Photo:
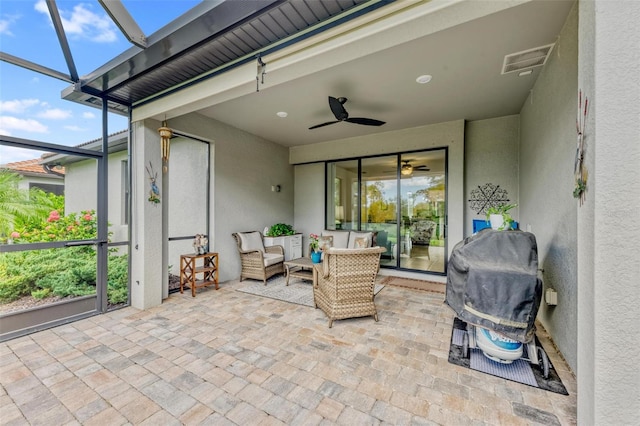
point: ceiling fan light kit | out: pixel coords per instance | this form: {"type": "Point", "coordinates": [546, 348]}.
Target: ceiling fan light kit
{"type": "Point", "coordinates": [341, 114]}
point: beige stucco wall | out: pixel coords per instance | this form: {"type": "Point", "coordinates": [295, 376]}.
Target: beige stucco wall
{"type": "Point", "coordinates": [81, 191]}
{"type": "Point", "coordinates": [244, 167]}
{"type": "Point", "coordinates": [547, 152]}
{"type": "Point", "coordinates": [609, 222]}
{"type": "Point", "coordinates": [491, 156]}
{"type": "Point", "coordinates": [309, 209]}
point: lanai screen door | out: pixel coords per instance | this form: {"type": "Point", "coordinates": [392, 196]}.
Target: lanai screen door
{"type": "Point", "coordinates": [53, 249]}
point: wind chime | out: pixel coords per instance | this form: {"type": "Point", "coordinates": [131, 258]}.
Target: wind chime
{"type": "Point", "coordinates": [165, 139]}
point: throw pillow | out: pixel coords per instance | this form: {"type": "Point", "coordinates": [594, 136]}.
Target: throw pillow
{"type": "Point", "coordinates": [361, 242]}
{"type": "Point", "coordinates": [325, 242]}
{"type": "Point", "coordinates": [354, 235]}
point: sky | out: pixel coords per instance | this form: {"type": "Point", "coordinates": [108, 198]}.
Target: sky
{"type": "Point", "coordinates": [31, 106]}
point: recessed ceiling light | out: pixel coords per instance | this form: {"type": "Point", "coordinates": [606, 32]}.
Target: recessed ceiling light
{"type": "Point", "coordinates": [423, 79]}
{"type": "Point", "coordinates": [523, 73]}
{"type": "Point", "coordinates": [281, 114]}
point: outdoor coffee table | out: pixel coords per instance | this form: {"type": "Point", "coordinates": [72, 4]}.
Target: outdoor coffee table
{"type": "Point", "coordinates": [301, 267]}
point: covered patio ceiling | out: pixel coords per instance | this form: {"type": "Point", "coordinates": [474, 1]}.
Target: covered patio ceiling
{"type": "Point", "coordinates": [368, 51]}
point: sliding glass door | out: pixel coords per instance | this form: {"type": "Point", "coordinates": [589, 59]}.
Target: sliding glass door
{"type": "Point", "coordinates": [402, 197]}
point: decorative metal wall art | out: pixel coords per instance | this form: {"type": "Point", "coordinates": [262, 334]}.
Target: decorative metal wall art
{"type": "Point", "coordinates": [487, 195]}
{"type": "Point", "coordinates": [579, 170]}
{"type": "Point", "coordinates": [154, 192]}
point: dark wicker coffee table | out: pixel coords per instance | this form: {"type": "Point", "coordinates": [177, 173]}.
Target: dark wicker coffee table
{"type": "Point", "coordinates": [301, 267]}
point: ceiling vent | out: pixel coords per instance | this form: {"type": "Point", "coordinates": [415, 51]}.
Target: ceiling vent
{"type": "Point", "coordinates": [519, 61]}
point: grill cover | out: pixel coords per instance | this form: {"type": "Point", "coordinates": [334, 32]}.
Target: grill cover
{"type": "Point", "coordinates": [492, 282]}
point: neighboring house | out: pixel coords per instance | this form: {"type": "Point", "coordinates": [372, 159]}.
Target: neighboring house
{"type": "Point", "coordinates": [35, 174]}
{"type": "Point", "coordinates": [81, 183]}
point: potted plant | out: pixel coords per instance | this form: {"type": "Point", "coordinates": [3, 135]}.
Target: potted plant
{"type": "Point", "coordinates": [499, 216]}
{"type": "Point", "coordinates": [316, 255]}
{"type": "Point", "coordinates": [280, 229]}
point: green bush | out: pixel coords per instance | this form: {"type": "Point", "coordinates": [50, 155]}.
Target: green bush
{"type": "Point", "coordinates": [40, 294]}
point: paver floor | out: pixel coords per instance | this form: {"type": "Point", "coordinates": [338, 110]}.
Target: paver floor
{"type": "Point", "coordinates": [227, 357]}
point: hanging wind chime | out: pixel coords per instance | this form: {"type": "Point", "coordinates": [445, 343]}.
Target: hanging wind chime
{"type": "Point", "coordinates": [165, 138]}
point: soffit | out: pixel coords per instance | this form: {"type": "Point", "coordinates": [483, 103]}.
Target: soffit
{"type": "Point", "coordinates": [214, 36]}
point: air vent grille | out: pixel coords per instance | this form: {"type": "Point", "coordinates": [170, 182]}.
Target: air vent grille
{"type": "Point", "coordinates": [526, 59]}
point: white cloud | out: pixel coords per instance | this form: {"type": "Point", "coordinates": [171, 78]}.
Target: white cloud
{"type": "Point", "coordinates": [88, 115]}
{"type": "Point", "coordinates": [28, 125]}
{"type": "Point", "coordinates": [55, 114]}
{"type": "Point", "coordinates": [82, 22]}
{"type": "Point", "coordinates": [4, 27]}
{"type": "Point", "coordinates": [18, 106]}
{"type": "Point", "coordinates": [75, 128]}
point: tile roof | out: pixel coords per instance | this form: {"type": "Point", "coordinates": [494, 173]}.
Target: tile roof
{"type": "Point", "coordinates": [28, 166]}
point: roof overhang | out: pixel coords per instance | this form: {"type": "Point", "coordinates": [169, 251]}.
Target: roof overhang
{"type": "Point", "coordinates": [213, 37]}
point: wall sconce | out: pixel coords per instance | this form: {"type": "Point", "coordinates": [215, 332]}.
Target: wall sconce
{"type": "Point", "coordinates": [275, 188]}
{"type": "Point", "coordinates": [165, 138]}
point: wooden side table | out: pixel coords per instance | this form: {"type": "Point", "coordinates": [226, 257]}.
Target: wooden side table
{"type": "Point", "coordinates": [198, 270]}
{"type": "Point", "coordinates": [299, 268]}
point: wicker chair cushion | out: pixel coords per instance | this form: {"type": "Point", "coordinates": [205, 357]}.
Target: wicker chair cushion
{"type": "Point", "coordinates": [251, 241]}
{"type": "Point", "coordinates": [354, 235]}
{"type": "Point", "coordinates": [272, 258]}
{"type": "Point", "coordinates": [340, 238]}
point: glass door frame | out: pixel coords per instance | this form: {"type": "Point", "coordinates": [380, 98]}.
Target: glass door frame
{"type": "Point", "coordinates": [330, 218]}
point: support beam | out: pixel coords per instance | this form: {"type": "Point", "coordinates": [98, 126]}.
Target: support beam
{"type": "Point", "coordinates": [32, 66]}
{"type": "Point", "coordinates": [62, 38]}
{"type": "Point", "coordinates": [125, 22]}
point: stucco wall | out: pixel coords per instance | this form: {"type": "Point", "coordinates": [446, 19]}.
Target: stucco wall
{"type": "Point", "coordinates": [547, 152]}
{"type": "Point", "coordinates": [81, 191]}
{"type": "Point", "coordinates": [244, 168]}
{"type": "Point", "coordinates": [310, 178]}
{"type": "Point", "coordinates": [491, 156]}
{"type": "Point", "coordinates": [609, 222]}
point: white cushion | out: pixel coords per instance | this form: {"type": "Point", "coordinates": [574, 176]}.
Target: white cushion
{"type": "Point", "coordinates": [340, 238]}
{"type": "Point", "coordinates": [353, 235]}
{"type": "Point", "coordinates": [251, 241]}
{"type": "Point", "coordinates": [272, 259]}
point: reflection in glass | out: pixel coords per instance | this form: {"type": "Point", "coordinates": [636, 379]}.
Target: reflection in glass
{"type": "Point", "coordinates": [380, 203]}
{"type": "Point", "coordinates": [422, 189]}
{"type": "Point", "coordinates": [401, 197]}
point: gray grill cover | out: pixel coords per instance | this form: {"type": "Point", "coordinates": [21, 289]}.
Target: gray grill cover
{"type": "Point", "coordinates": [492, 282]}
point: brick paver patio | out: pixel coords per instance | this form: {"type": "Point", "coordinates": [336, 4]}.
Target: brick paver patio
{"type": "Point", "coordinates": [227, 357]}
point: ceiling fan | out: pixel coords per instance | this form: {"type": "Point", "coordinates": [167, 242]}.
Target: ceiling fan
{"type": "Point", "coordinates": [341, 114]}
{"type": "Point", "coordinates": [407, 168]}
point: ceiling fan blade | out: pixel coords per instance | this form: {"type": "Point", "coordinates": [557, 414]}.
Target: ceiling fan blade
{"type": "Point", "coordinates": [337, 108]}
{"type": "Point", "coordinates": [365, 121]}
{"type": "Point", "coordinates": [323, 124]}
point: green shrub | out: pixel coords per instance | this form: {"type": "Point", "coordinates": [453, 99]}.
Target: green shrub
{"type": "Point", "coordinates": [40, 294]}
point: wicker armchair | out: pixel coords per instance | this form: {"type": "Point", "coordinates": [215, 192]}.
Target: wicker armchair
{"type": "Point", "coordinates": [344, 283]}
{"type": "Point", "coordinates": [258, 262]}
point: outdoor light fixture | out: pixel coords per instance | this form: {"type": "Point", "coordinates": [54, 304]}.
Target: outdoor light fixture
{"type": "Point", "coordinates": [406, 169]}
{"type": "Point", "coordinates": [165, 138]}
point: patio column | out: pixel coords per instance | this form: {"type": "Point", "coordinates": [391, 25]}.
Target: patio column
{"type": "Point", "coordinates": [609, 222]}
{"type": "Point", "coordinates": [146, 227]}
